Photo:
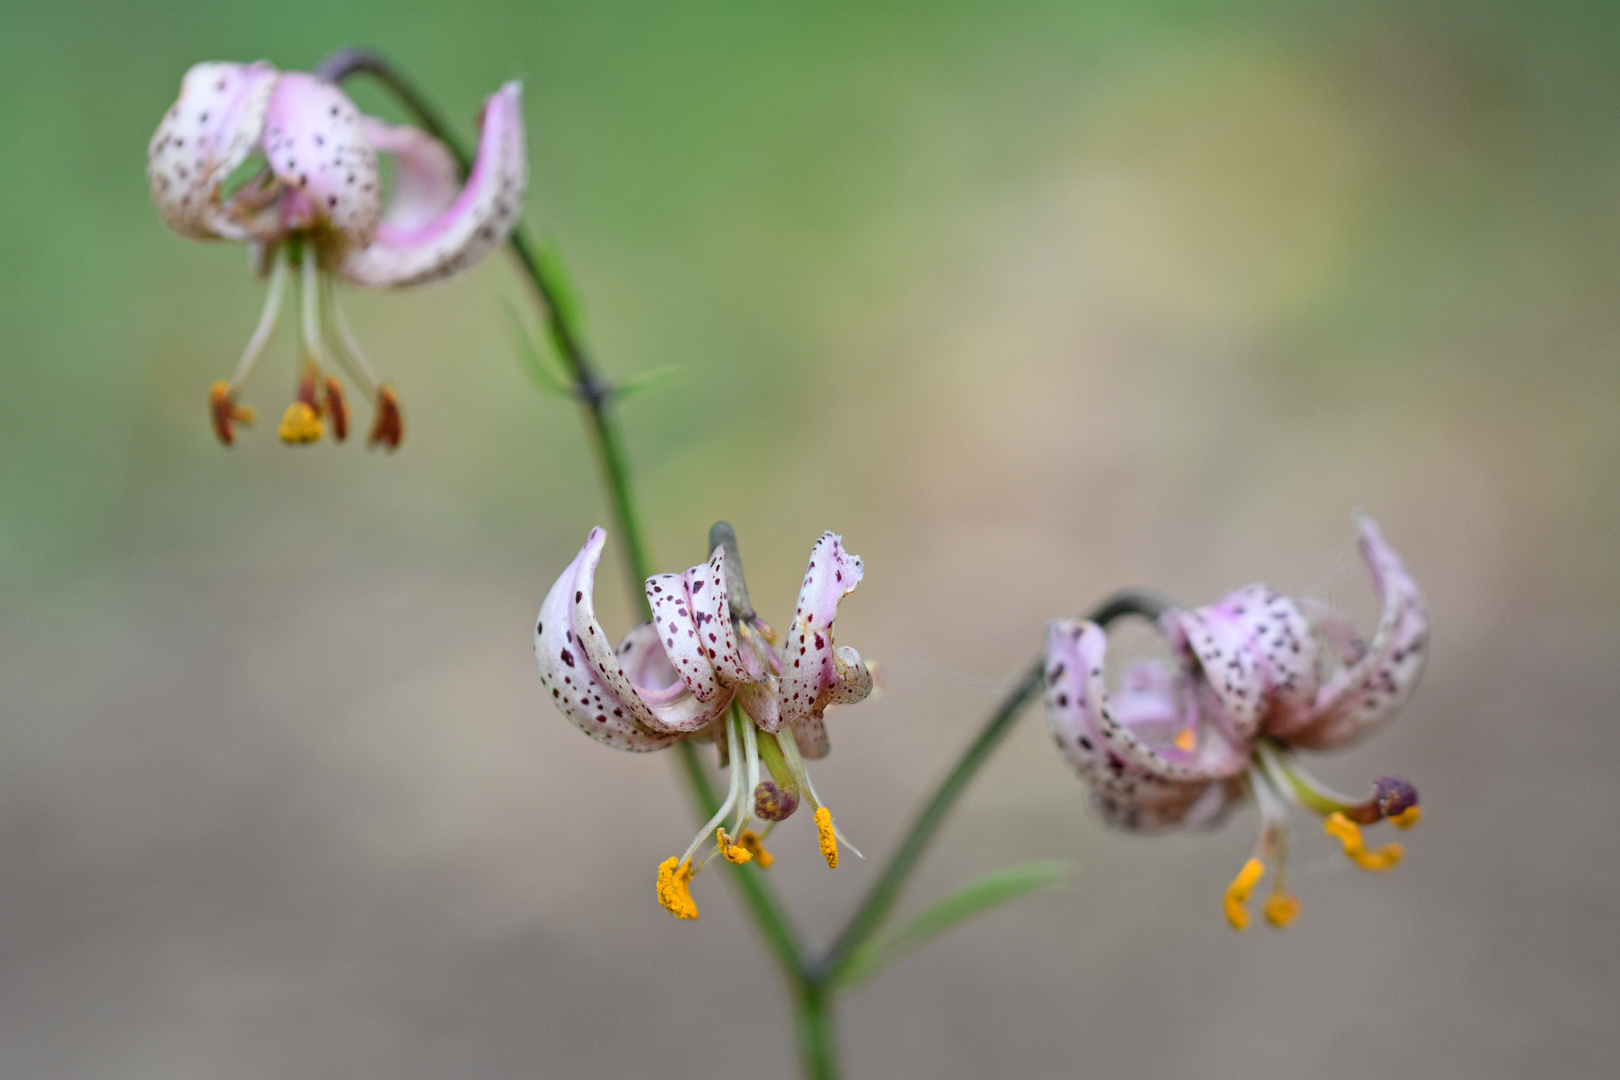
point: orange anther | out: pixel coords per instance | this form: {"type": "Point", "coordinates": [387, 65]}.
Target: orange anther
{"type": "Point", "coordinates": [389, 426]}
{"type": "Point", "coordinates": [337, 409]}
{"type": "Point", "coordinates": [224, 412]}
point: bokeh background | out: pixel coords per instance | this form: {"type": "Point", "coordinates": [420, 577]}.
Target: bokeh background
{"type": "Point", "coordinates": [1028, 301]}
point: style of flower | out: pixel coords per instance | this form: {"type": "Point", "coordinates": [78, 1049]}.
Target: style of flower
{"type": "Point", "coordinates": [1258, 676]}
{"type": "Point", "coordinates": [315, 208]}
{"type": "Point", "coordinates": [707, 667]}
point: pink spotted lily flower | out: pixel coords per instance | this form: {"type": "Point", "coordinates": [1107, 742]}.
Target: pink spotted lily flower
{"type": "Point", "coordinates": [315, 208]}
{"type": "Point", "coordinates": [707, 667]}
{"type": "Point", "coordinates": [1257, 676]}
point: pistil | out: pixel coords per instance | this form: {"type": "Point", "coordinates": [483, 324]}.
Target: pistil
{"type": "Point", "coordinates": [775, 799]}
{"type": "Point", "coordinates": [301, 423]}
{"type": "Point", "coordinates": [1394, 800]}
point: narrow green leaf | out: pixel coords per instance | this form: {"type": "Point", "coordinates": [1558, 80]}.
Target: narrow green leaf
{"type": "Point", "coordinates": [648, 381]}
{"type": "Point", "coordinates": [534, 365]}
{"type": "Point", "coordinates": [980, 894]}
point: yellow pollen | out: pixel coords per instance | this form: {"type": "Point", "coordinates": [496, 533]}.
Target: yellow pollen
{"type": "Point", "coordinates": [1347, 833]}
{"type": "Point", "coordinates": [829, 842]}
{"type": "Point", "coordinates": [750, 841]}
{"type": "Point", "coordinates": [1407, 818]}
{"type": "Point", "coordinates": [674, 888]}
{"type": "Point", "coordinates": [1186, 739]}
{"type": "Point", "coordinates": [1238, 892]}
{"type": "Point", "coordinates": [736, 854]}
{"type": "Point", "coordinates": [1281, 910]}
{"type": "Point", "coordinates": [299, 424]}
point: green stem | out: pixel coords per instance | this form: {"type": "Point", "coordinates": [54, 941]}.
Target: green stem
{"type": "Point", "coordinates": [596, 399]}
{"type": "Point", "coordinates": [881, 897]}
{"type": "Point", "coordinates": [811, 984]}
{"type": "Point", "coordinates": [813, 1021]}
{"type": "Point", "coordinates": [595, 395]}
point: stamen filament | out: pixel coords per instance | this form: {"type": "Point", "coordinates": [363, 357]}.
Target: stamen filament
{"type": "Point", "coordinates": [725, 807]}
{"type": "Point", "coordinates": [350, 355]}
{"type": "Point", "coordinates": [750, 739]}
{"type": "Point", "coordinates": [310, 305]}
{"type": "Point", "coordinates": [1306, 790]}
{"type": "Point", "coordinates": [266, 326]}
{"type": "Point", "coordinates": [1281, 908]}
{"type": "Point", "coordinates": [751, 751]}
{"type": "Point", "coordinates": [795, 762]}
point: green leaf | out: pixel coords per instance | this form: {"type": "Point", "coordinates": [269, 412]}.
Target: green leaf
{"type": "Point", "coordinates": [980, 894]}
{"type": "Point", "coordinates": [647, 381]}
{"type": "Point", "coordinates": [545, 376]}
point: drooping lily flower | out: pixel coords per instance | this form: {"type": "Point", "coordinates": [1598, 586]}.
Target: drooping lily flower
{"type": "Point", "coordinates": [315, 209]}
{"type": "Point", "coordinates": [707, 667]}
{"type": "Point", "coordinates": [1257, 677]}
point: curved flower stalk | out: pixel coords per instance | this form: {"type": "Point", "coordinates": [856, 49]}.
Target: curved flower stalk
{"type": "Point", "coordinates": [707, 667]}
{"type": "Point", "coordinates": [1258, 676]}
{"type": "Point", "coordinates": [315, 209]}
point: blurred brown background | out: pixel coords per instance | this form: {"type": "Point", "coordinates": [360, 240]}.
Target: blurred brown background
{"type": "Point", "coordinates": [1028, 301]}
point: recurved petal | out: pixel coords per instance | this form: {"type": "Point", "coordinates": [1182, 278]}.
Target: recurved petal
{"type": "Point", "coordinates": [810, 735]}
{"type": "Point", "coordinates": [660, 687]}
{"type": "Point", "coordinates": [809, 665]}
{"type": "Point", "coordinates": [676, 622]}
{"type": "Point", "coordinates": [667, 712]}
{"type": "Point", "coordinates": [1209, 756]}
{"type": "Point", "coordinates": [586, 700]}
{"type": "Point", "coordinates": [1255, 649]}
{"type": "Point", "coordinates": [1167, 806]}
{"type": "Point", "coordinates": [706, 587]}
{"type": "Point", "coordinates": [211, 129]}
{"type": "Point", "coordinates": [759, 701]}
{"type": "Point", "coordinates": [853, 684]}
{"type": "Point", "coordinates": [474, 223]}
{"type": "Point", "coordinates": [317, 147]}
{"type": "Point", "coordinates": [1363, 696]}
{"type": "Point", "coordinates": [854, 679]}
{"type": "Point", "coordinates": [426, 176]}
{"type": "Point", "coordinates": [1125, 794]}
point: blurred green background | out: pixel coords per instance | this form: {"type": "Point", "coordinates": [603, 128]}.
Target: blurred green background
{"type": "Point", "coordinates": [1028, 301]}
